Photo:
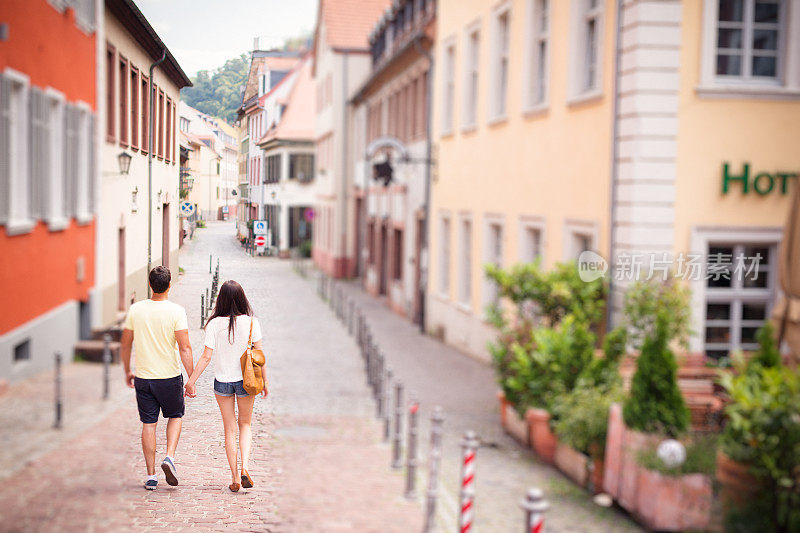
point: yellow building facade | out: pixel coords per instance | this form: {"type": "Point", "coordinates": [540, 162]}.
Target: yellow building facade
{"type": "Point", "coordinates": [572, 125]}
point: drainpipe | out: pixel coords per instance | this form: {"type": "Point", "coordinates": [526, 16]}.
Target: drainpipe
{"type": "Point", "coordinates": [345, 177]}
{"type": "Point", "coordinates": [150, 173]}
{"type": "Point", "coordinates": [614, 156]}
{"type": "Point", "coordinates": [423, 288]}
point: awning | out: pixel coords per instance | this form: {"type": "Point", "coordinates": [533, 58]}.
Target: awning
{"type": "Point", "coordinates": [787, 311]}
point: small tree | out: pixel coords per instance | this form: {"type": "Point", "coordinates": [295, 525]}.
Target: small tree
{"type": "Point", "coordinates": [767, 355]}
{"type": "Point", "coordinates": [655, 404]}
{"type": "Point", "coordinates": [645, 299]}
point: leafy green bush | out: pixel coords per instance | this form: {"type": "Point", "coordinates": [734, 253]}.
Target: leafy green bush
{"type": "Point", "coordinates": [655, 403]}
{"type": "Point", "coordinates": [549, 295]}
{"type": "Point", "coordinates": [200, 224]}
{"type": "Point", "coordinates": [604, 371]}
{"type": "Point", "coordinates": [305, 249]}
{"type": "Point", "coordinates": [514, 366]}
{"type": "Point", "coordinates": [767, 355]}
{"type": "Point", "coordinates": [645, 299]}
{"type": "Point", "coordinates": [581, 417]}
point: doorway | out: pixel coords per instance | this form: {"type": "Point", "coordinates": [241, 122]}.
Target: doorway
{"type": "Point", "coordinates": [359, 256]}
{"type": "Point", "coordinates": [165, 235]}
{"type": "Point", "coordinates": [383, 258]}
{"type": "Point", "coordinates": [418, 290]}
{"type": "Point", "coordinates": [121, 269]}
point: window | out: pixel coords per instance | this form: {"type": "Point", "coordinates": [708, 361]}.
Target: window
{"type": "Point", "coordinates": [465, 262]}
{"type": "Point", "coordinates": [748, 40]}
{"type": "Point", "coordinates": [174, 134]}
{"type": "Point", "coordinates": [144, 111]}
{"type": "Point", "coordinates": [739, 291]}
{"type": "Point", "coordinates": [123, 101]}
{"type": "Point", "coordinates": [184, 124]}
{"type": "Point", "coordinates": [134, 108]}
{"type": "Point", "coordinates": [501, 44]}
{"type": "Point", "coordinates": [444, 256]}
{"type": "Point", "coordinates": [449, 89]}
{"type": "Point", "coordinates": [578, 236]}
{"type": "Point", "coordinates": [301, 167]}
{"type": "Point", "coordinates": [397, 257]}
{"type": "Point", "coordinates": [531, 243]}
{"type": "Point", "coordinates": [472, 58]}
{"type": "Point", "coordinates": [538, 53]}
{"type": "Point", "coordinates": [273, 169]}
{"type": "Point", "coordinates": [15, 191]}
{"type": "Point", "coordinates": [586, 46]}
{"type": "Point", "coordinates": [80, 162]}
{"type": "Point", "coordinates": [494, 256]}
{"type": "Point", "coordinates": [22, 351]}
{"type": "Point", "coordinates": [168, 127]}
{"type": "Point", "coordinates": [111, 71]}
{"type": "Point", "coordinates": [591, 35]}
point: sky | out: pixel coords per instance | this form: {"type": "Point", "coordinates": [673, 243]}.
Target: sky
{"type": "Point", "coordinates": [203, 34]}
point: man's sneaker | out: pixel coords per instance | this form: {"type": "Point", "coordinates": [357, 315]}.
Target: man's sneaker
{"type": "Point", "coordinates": [151, 484]}
{"type": "Point", "coordinates": [169, 471]}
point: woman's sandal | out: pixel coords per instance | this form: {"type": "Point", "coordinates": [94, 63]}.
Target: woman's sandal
{"type": "Point", "coordinates": [247, 481]}
{"type": "Point", "coordinates": [234, 487]}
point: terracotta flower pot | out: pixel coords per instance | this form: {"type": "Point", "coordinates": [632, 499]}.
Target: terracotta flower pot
{"type": "Point", "coordinates": [512, 423]}
{"type": "Point", "coordinates": [542, 439]}
{"type": "Point", "coordinates": [737, 486]}
{"type": "Point", "coordinates": [572, 463]}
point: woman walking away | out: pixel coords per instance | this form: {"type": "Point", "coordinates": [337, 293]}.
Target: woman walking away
{"type": "Point", "coordinates": [228, 331]}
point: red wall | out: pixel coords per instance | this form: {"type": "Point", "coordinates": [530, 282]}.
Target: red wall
{"type": "Point", "coordinates": [38, 270]}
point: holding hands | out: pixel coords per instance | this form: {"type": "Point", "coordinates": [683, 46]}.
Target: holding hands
{"type": "Point", "coordinates": [191, 390]}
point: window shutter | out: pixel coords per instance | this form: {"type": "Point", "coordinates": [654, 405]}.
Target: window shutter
{"type": "Point", "coordinates": [5, 148]}
{"type": "Point", "coordinates": [40, 153]}
{"type": "Point", "coordinates": [71, 147]}
{"type": "Point", "coordinates": [91, 179]}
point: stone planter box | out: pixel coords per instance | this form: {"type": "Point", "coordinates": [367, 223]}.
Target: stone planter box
{"type": "Point", "coordinates": [512, 423]}
{"type": "Point", "coordinates": [542, 439]}
{"type": "Point", "coordinates": [660, 502]}
{"type": "Point", "coordinates": [737, 486]}
{"type": "Point", "coordinates": [572, 463]}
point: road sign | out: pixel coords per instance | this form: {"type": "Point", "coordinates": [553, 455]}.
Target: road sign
{"type": "Point", "coordinates": [309, 214]}
{"type": "Point", "coordinates": [225, 209]}
{"type": "Point", "coordinates": [260, 241]}
{"type": "Point", "coordinates": [260, 227]}
{"type": "Point", "coordinates": [187, 209]}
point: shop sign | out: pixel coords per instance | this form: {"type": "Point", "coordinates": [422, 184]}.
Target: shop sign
{"type": "Point", "coordinates": [762, 183]}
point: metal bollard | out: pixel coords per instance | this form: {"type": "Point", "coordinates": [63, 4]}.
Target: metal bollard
{"type": "Point", "coordinates": [59, 399]}
{"type": "Point", "coordinates": [379, 386]}
{"type": "Point", "coordinates": [210, 260]}
{"type": "Point", "coordinates": [387, 410]}
{"type": "Point", "coordinates": [351, 312]}
{"type": "Point", "coordinates": [202, 310]}
{"type": "Point", "coordinates": [208, 300]}
{"type": "Point", "coordinates": [469, 445]}
{"type": "Point", "coordinates": [106, 365]}
{"type": "Point", "coordinates": [398, 422]}
{"type": "Point", "coordinates": [534, 506]}
{"type": "Point", "coordinates": [435, 454]}
{"type": "Point", "coordinates": [411, 451]}
{"type": "Point", "coordinates": [217, 266]}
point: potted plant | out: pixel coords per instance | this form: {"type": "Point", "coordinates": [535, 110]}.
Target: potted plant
{"type": "Point", "coordinates": [758, 465]}
{"type": "Point", "coordinates": [582, 415]}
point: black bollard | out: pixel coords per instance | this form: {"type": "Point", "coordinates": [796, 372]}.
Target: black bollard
{"type": "Point", "coordinates": [411, 451]}
{"type": "Point", "coordinates": [106, 365]}
{"type": "Point", "coordinates": [58, 394]}
{"type": "Point", "coordinates": [398, 429]}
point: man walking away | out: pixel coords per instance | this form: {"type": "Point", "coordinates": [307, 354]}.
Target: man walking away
{"type": "Point", "coordinates": [160, 331]}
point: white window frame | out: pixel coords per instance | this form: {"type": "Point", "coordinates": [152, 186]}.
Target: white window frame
{"type": "Point", "coordinates": [699, 241]}
{"type": "Point", "coordinates": [85, 175]}
{"type": "Point", "coordinates": [526, 253]}
{"type": "Point", "coordinates": [536, 90]}
{"type": "Point", "coordinates": [448, 85]}
{"type": "Point", "coordinates": [465, 262]}
{"type": "Point", "coordinates": [55, 213]}
{"type": "Point", "coordinates": [445, 250]}
{"type": "Point", "coordinates": [501, 59]}
{"type": "Point", "coordinates": [579, 88]}
{"type": "Point", "coordinates": [787, 84]}
{"type": "Point", "coordinates": [19, 218]}
{"type": "Point", "coordinates": [574, 229]}
{"type": "Point", "coordinates": [490, 255]}
{"type": "Point", "coordinates": [472, 60]}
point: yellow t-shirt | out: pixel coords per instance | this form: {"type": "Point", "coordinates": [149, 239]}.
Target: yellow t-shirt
{"type": "Point", "coordinates": [154, 324]}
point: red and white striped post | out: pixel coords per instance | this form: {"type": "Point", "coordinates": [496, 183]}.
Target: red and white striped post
{"type": "Point", "coordinates": [534, 505]}
{"type": "Point", "coordinates": [469, 446]}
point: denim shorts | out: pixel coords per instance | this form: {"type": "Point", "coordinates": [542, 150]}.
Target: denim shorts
{"type": "Point", "coordinates": [223, 388]}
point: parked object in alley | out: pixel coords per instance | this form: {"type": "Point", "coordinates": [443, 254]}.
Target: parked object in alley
{"type": "Point", "coordinates": [411, 450]}
{"type": "Point", "coordinates": [58, 391]}
{"type": "Point", "coordinates": [469, 447]}
{"type": "Point", "coordinates": [435, 459]}
{"type": "Point", "coordinates": [398, 422]}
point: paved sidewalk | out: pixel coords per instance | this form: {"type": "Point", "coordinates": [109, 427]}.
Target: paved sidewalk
{"type": "Point", "coordinates": [437, 374]}
{"type": "Point", "coordinates": [317, 462]}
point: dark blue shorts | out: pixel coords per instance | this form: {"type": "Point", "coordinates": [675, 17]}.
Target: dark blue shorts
{"type": "Point", "coordinates": [223, 388]}
{"type": "Point", "coordinates": [153, 395]}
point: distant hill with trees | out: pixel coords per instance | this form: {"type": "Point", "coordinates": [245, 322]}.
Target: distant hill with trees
{"type": "Point", "coordinates": [217, 92]}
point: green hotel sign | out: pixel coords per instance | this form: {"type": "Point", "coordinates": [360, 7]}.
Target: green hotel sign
{"type": "Point", "coordinates": [761, 183]}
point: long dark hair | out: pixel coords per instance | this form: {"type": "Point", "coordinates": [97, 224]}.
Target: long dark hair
{"type": "Point", "coordinates": [231, 302]}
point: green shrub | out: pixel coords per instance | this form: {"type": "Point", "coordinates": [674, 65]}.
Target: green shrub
{"type": "Point", "coordinates": [200, 224]}
{"type": "Point", "coordinates": [645, 299]}
{"type": "Point", "coordinates": [581, 417]}
{"type": "Point", "coordinates": [604, 371]}
{"type": "Point", "coordinates": [305, 249]}
{"type": "Point", "coordinates": [767, 355]}
{"type": "Point", "coordinates": [655, 403]}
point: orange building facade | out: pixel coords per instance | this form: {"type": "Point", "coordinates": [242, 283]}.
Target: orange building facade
{"type": "Point", "coordinates": [47, 180]}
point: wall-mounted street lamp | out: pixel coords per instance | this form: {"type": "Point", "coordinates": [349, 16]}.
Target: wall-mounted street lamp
{"type": "Point", "coordinates": [124, 159]}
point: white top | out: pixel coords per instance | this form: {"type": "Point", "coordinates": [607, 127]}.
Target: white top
{"type": "Point", "coordinates": [227, 355]}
